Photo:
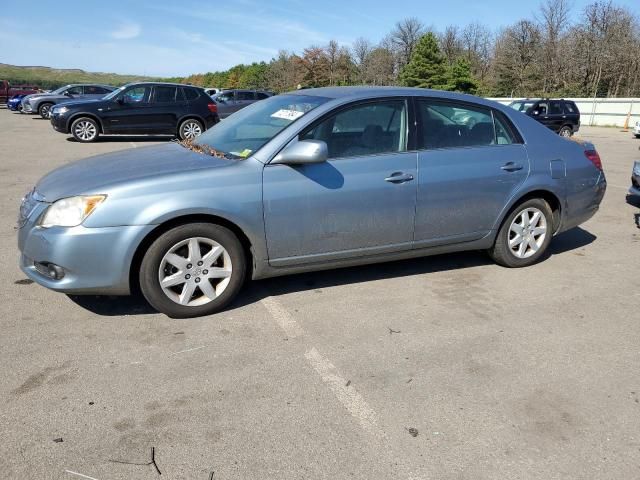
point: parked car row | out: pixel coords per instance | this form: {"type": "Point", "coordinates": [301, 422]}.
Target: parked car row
{"type": "Point", "coordinates": [87, 111]}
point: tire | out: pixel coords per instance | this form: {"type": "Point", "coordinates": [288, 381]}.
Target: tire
{"type": "Point", "coordinates": [565, 131]}
{"type": "Point", "coordinates": [515, 256]}
{"type": "Point", "coordinates": [44, 110]}
{"type": "Point", "coordinates": [190, 129]}
{"type": "Point", "coordinates": [85, 130]}
{"type": "Point", "coordinates": [183, 296]}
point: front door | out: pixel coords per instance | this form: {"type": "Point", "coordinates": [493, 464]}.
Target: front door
{"type": "Point", "coordinates": [129, 112]}
{"type": "Point", "coordinates": [470, 164]}
{"type": "Point", "coordinates": [361, 201]}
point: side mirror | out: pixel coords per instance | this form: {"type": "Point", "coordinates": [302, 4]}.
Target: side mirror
{"type": "Point", "coordinates": [302, 153]}
{"type": "Point", "coordinates": [67, 94]}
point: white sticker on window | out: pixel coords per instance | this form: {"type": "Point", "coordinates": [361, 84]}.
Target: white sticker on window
{"type": "Point", "coordinates": [287, 114]}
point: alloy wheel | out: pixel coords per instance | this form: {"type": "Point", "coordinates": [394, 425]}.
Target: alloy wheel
{"type": "Point", "coordinates": [565, 132]}
{"type": "Point", "coordinates": [45, 111]}
{"type": "Point", "coordinates": [195, 271]}
{"type": "Point", "coordinates": [85, 130]}
{"type": "Point", "coordinates": [191, 130]}
{"type": "Point", "coordinates": [527, 232]}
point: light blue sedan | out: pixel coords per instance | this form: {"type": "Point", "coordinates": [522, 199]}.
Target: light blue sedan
{"type": "Point", "coordinates": [309, 180]}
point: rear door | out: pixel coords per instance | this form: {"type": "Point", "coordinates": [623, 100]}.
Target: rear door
{"type": "Point", "coordinates": [166, 106]}
{"type": "Point", "coordinates": [557, 117]}
{"type": "Point", "coordinates": [572, 114]}
{"type": "Point", "coordinates": [361, 201]}
{"type": "Point", "coordinates": [471, 162]}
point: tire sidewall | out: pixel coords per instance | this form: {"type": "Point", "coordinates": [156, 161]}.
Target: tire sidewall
{"type": "Point", "coordinates": [185, 122]}
{"type": "Point", "coordinates": [150, 285]}
{"type": "Point", "coordinates": [503, 254]}
{"type": "Point", "coordinates": [84, 119]}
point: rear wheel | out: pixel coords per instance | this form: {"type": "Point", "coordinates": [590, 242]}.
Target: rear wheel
{"type": "Point", "coordinates": [565, 131]}
{"type": "Point", "coordinates": [190, 129]}
{"type": "Point", "coordinates": [44, 110]}
{"type": "Point", "coordinates": [193, 270]}
{"type": "Point", "coordinates": [85, 129]}
{"type": "Point", "coordinates": [524, 235]}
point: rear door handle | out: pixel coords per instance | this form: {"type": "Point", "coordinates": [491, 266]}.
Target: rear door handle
{"type": "Point", "coordinates": [399, 177]}
{"type": "Point", "coordinates": [511, 167]}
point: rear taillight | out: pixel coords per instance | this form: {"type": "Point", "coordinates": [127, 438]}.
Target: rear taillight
{"type": "Point", "coordinates": [213, 108]}
{"type": "Point", "coordinates": [594, 158]}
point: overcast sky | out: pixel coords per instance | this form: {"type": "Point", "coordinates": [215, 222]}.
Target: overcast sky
{"type": "Point", "coordinates": [168, 38]}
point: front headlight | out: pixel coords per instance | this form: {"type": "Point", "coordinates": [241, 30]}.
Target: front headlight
{"type": "Point", "coordinates": [70, 212]}
{"type": "Point", "coordinates": [61, 110]}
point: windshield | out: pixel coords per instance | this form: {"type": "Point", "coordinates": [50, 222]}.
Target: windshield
{"type": "Point", "coordinates": [521, 106]}
{"type": "Point", "coordinates": [249, 129]}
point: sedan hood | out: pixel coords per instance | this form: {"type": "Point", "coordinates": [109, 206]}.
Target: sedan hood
{"type": "Point", "coordinates": [95, 175]}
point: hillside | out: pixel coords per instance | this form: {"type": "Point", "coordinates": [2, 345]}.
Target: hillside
{"type": "Point", "coordinates": [46, 77]}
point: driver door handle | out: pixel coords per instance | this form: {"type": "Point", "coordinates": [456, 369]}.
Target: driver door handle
{"type": "Point", "coordinates": [399, 177]}
{"type": "Point", "coordinates": [511, 167]}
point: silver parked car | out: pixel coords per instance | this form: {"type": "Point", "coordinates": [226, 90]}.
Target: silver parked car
{"type": "Point", "coordinates": [230, 101]}
{"type": "Point", "coordinates": [41, 103]}
{"type": "Point", "coordinates": [309, 180]}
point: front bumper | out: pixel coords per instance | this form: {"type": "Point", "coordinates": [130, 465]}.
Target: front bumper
{"type": "Point", "coordinates": [635, 180]}
{"type": "Point", "coordinates": [27, 107]}
{"type": "Point", "coordinates": [636, 130]}
{"type": "Point", "coordinates": [58, 122]}
{"type": "Point", "coordinates": [94, 260]}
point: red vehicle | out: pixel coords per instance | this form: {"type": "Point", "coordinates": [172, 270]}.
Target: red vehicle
{"type": "Point", "coordinates": [7, 91]}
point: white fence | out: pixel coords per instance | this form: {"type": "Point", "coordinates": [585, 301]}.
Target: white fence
{"type": "Point", "coordinates": [606, 112]}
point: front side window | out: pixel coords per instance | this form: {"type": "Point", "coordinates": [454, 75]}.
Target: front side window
{"type": "Point", "coordinates": [225, 97]}
{"type": "Point", "coordinates": [248, 130]}
{"type": "Point", "coordinates": [521, 106]}
{"type": "Point", "coordinates": [163, 94]}
{"type": "Point", "coordinates": [74, 90]}
{"type": "Point", "coordinates": [245, 96]}
{"type": "Point", "coordinates": [542, 108]}
{"type": "Point", "coordinates": [451, 125]}
{"type": "Point", "coordinates": [365, 129]}
{"type": "Point", "coordinates": [136, 95]}
{"type": "Point", "coordinates": [555, 108]}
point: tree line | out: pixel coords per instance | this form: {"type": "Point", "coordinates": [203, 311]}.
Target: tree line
{"type": "Point", "coordinates": [556, 52]}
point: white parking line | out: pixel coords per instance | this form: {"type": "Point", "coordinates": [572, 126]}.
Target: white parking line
{"type": "Point", "coordinates": [80, 475]}
{"type": "Point", "coordinates": [347, 395]}
{"type": "Point", "coordinates": [291, 328]}
{"type": "Point", "coordinates": [133, 145]}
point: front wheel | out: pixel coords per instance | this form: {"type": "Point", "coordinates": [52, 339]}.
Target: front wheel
{"type": "Point", "coordinates": [85, 130]}
{"type": "Point", "coordinates": [565, 131]}
{"type": "Point", "coordinates": [524, 235]}
{"type": "Point", "coordinates": [193, 270]}
{"type": "Point", "coordinates": [190, 129]}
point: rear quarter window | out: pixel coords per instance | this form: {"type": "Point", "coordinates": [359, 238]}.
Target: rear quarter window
{"type": "Point", "coordinates": [191, 93]}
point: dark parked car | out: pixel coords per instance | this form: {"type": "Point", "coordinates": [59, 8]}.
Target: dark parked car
{"type": "Point", "coordinates": [230, 101]}
{"type": "Point", "coordinates": [41, 103]}
{"type": "Point", "coordinates": [561, 116]}
{"type": "Point", "coordinates": [139, 108]}
{"type": "Point", "coordinates": [635, 180]}
{"type": "Point", "coordinates": [309, 180]}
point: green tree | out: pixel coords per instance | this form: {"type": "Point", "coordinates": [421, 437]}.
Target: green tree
{"type": "Point", "coordinates": [460, 78]}
{"type": "Point", "coordinates": [427, 66]}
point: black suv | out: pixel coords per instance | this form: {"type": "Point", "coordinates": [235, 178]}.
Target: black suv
{"type": "Point", "coordinates": [230, 101]}
{"type": "Point", "coordinates": [139, 108]}
{"type": "Point", "coordinates": [561, 116]}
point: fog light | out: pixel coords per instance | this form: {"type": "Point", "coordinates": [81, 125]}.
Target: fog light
{"type": "Point", "coordinates": [50, 270]}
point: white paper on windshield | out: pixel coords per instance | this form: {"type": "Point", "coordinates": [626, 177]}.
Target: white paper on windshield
{"type": "Point", "coordinates": [287, 114]}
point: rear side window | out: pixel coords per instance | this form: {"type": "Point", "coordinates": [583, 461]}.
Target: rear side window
{"type": "Point", "coordinates": [191, 93]}
{"type": "Point", "coordinates": [164, 94]}
{"type": "Point", "coordinates": [364, 129]}
{"type": "Point", "coordinates": [95, 90]}
{"type": "Point", "coordinates": [452, 125]}
{"type": "Point", "coordinates": [570, 107]}
{"type": "Point", "coordinates": [506, 134]}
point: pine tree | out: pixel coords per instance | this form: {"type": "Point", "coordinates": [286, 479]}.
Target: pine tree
{"type": "Point", "coordinates": [427, 67]}
{"type": "Point", "coordinates": [460, 79]}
